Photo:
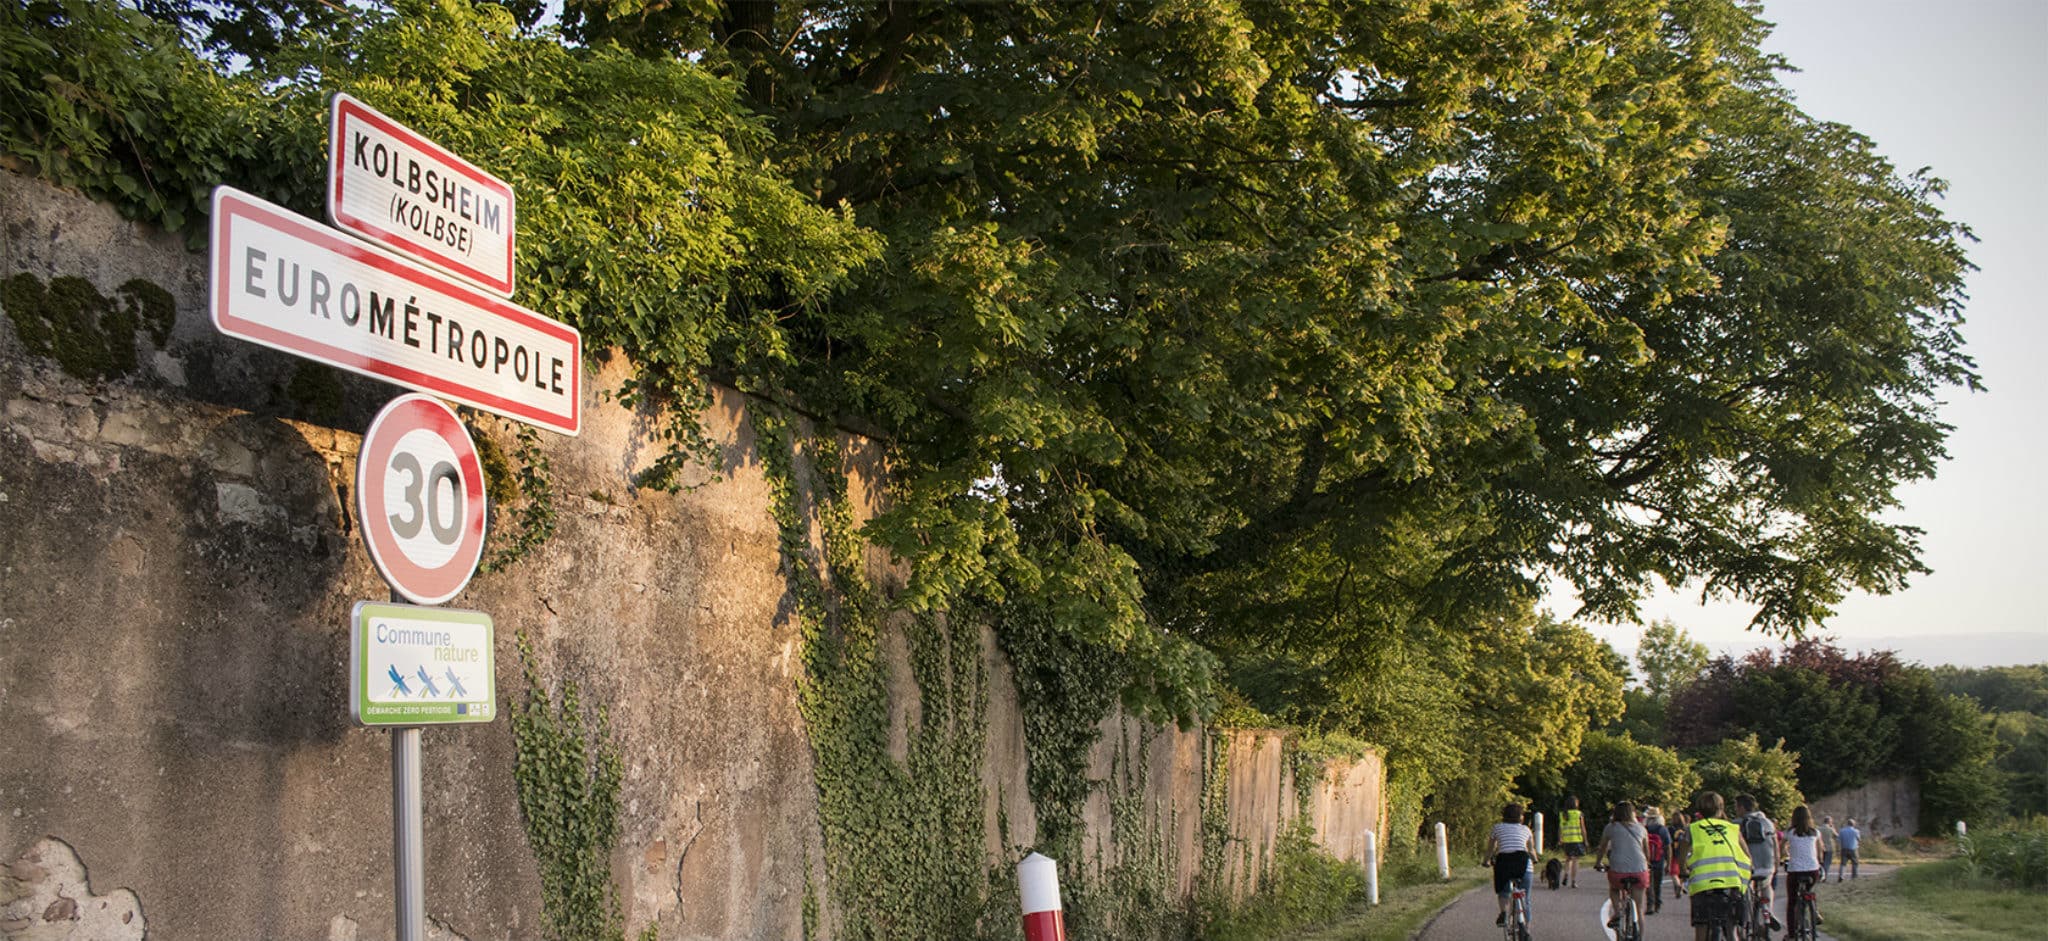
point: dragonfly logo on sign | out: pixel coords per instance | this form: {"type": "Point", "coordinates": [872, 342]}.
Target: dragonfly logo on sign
{"type": "Point", "coordinates": [420, 666]}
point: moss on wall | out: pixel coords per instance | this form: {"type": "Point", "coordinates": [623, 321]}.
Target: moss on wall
{"type": "Point", "coordinates": [90, 335]}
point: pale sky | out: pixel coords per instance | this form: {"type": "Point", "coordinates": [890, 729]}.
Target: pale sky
{"type": "Point", "coordinates": [1960, 86]}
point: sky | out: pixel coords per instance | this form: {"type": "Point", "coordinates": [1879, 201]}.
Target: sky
{"type": "Point", "coordinates": [1961, 87]}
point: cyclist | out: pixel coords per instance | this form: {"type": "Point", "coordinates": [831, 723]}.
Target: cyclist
{"type": "Point", "coordinates": [1572, 834]}
{"type": "Point", "coordinates": [1657, 846]}
{"type": "Point", "coordinates": [1507, 846]}
{"type": "Point", "coordinates": [1760, 837]}
{"type": "Point", "coordinates": [1624, 840]}
{"type": "Point", "coordinates": [1803, 867]}
{"type": "Point", "coordinates": [1716, 866]}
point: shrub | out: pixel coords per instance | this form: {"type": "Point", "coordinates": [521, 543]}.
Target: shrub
{"type": "Point", "coordinates": [1305, 887]}
{"type": "Point", "coordinates": [2015, 854]}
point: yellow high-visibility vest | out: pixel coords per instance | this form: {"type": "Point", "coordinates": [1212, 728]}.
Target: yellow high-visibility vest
{"type": "Point", "coordinates": [1574, 827]}
{"type": "Point", "coordinates": [1716, 856]}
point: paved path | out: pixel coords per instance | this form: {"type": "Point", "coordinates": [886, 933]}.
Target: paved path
{"type": "Point", "coordinates": [1580, 914]}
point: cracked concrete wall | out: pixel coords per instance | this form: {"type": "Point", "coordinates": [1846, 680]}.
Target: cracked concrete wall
{"type": "Point", "coordinates": [178, 557]}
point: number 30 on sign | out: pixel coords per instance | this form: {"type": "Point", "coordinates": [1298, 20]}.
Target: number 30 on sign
{"type": "Point", "coordinates": [420, 497]}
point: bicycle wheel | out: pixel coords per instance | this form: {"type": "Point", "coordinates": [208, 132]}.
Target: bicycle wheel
{"type": "Point", "coordinates": [1631, 922]}
{"type": "Point", "coordinates": [1805, 926]}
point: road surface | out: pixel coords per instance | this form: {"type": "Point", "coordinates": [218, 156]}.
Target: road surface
{"type": "Point", "coordinates": [1580, 914]}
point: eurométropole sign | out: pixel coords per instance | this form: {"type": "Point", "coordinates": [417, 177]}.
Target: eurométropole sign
{"type": "Point", "coordinates": [388, 184]}
{"type": "Point", "coordinates": [287, 282]}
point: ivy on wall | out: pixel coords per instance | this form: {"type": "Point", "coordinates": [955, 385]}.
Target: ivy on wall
{"type": "Point", "coordinates": [524, 494]}
{"type": "Point", "coordinates": [568, 773]}
{"type": "Point", "coordinates": [903, 838]}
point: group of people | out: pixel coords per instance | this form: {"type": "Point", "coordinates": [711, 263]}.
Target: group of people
{"type": "Point", "coordinates": [1713, 859]}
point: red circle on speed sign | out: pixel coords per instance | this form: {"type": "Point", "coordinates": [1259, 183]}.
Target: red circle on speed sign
{"type": "Point", "coordinates": [420, 495]}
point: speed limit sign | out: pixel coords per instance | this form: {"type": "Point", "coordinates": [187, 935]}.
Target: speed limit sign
{"type": "Point", "coordinates": [420, 496]}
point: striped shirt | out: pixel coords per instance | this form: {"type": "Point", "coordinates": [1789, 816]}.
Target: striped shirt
{"type": "Point", "coordinates": [1512, 837]}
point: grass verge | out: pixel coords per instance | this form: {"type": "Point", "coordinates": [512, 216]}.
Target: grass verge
{"type": "Point", "coordinates": [1938, 901]}
{"type": "Point", "coordinates": [1401, 911]}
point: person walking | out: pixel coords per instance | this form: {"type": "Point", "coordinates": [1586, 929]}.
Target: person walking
{"type": "Point", "coordinates": [1507, 849]}
{"type": "Point", "coordinates": [1676, 865]}
{"type": "Point", "coordinates": [1852, 838]}
{"type": "Point", "coordinates": [1623, 841]}
{"type": "Point", "coordinates": [1572, 836]}
{"type": "Point", "coordinates": [1803, 868]}
{"type": "Point", "coordinates": [1830, 842]}
{"type": "Point", "coordinates": [1716, 866]}
{"type": "Point", "coordinates": [1657, 847]}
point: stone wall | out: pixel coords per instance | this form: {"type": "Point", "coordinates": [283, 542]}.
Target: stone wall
{"type": "Point", "coordinates": [178, 557]}
{"type": "Point", "coordinates": [1884, 808]}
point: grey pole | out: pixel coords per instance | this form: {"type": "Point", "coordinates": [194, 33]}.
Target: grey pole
{"type": "Point", "coordinates": [408, 849]}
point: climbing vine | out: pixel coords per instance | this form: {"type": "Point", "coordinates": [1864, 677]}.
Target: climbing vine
{"type": "Point", "coordinates": [903, 833]}
{"type": "Point", "coordinates": [568, 773]}
{"type": "Point", "coordinates": [1133, 894]}
{"type": "Point", "coordinates": [525, 495]}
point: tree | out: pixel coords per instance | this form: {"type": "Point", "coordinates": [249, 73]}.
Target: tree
{"type": "Point", "coordinates": [1839, 730]}
{"type": "Point", "coordinates": [1669, 658]}
{"type": "Point", "coordinates": [1224, 324]}
{"type": "Point", "coordinates": [1311, 323]}
{"type": "Point", "coordinates": [2023, 757]}
{"type": "Point", "coordinates": [1738, 766]}
{"type": "Point", "coordinates": [1466, 718]}
{"type": "Point", "coordinates": [1999, 689]}
{"type": "Point", "coordinates": [1849, 719]}
{"type": "Point", "coordinates": [1613, 768]}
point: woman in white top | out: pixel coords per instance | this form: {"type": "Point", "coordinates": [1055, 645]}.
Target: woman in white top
{"type": "Point", "coordinates": [1802, 860]}
{"type": "Point", "coordinates": [1507, 846]}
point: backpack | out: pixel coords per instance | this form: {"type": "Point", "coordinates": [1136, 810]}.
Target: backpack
{"type": "Point", "coordinates": [1755, 829]}
{"type": "Point", "coordinates": [1654, 848]}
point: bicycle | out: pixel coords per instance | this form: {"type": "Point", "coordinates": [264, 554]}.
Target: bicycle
{"type": "Point", "coordinates": [1631, 921]}
{"type": "Point", "coordinates": [1517, 926]}
{"type": "Point", "coordinates": [1628, 917]}
{"type": "Point", "coordinates": [1727, 924]}
{"type": "Point", "coordinates": [1757, 927]}
{"type": "Point", "coordinates": [1801, 925]}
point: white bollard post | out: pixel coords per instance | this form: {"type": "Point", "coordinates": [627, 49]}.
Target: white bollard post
{"type": "Point", "coordinates": [1962, 829]}
{"type": "Point", "coordinates": [1038, 884]}
{"type": "Point", "coordinates": [1372, 868]}
{"type": "Point", "coordinates": [1536, 827]}
{"type": "Point", "coordinates": [1443, 852]}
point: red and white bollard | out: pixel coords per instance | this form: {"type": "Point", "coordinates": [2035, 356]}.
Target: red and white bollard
{"type": "Point", "coordinates": [1038, 882]}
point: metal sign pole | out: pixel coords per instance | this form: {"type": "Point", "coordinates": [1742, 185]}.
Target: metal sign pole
{"type": "Point", "coordinates": [408, 833]}
{"type": "Point", "coordinates": [408, 844]}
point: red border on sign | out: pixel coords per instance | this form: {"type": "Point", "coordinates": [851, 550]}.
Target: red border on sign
{"type": "Point", "coordinates": [230, 204]}
{"type": "Point", "coordinates": [418, 583]}
{"type": "Point", "coordinates": [348, 108]}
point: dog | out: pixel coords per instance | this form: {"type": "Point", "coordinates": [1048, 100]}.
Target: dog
{"type": "Point", "coordinates": [1553, 873]}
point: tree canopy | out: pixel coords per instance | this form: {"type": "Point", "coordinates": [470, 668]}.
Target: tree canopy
{"type": "Point", "coordinates": [1299, 340]}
